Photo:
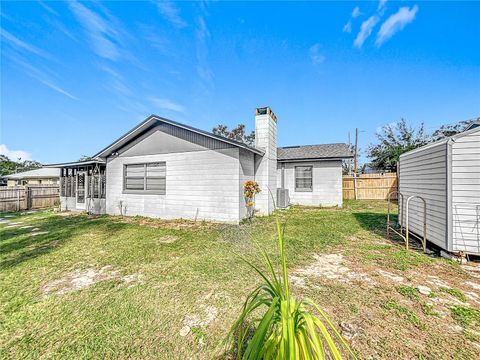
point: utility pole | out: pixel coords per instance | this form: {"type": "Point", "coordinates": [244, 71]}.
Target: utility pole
{"type": "Point", "coordinates": [355, 164]}
{"type": "Point", "coordinates": [355, 167]}
{"type": "Point", "coordinates": [349, 161]}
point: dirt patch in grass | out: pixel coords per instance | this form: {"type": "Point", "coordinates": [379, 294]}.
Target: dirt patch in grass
{"type": "Point", "coordinates": [167, 239]}
{"type": "Point", "coordinates": [331, 267]}
{"type": "Point", "coordinates": [67, 213]}
{"type": "Point", "coordinates": [83, 278]}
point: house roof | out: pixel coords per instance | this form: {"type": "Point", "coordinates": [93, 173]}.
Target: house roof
{"type": "Point", "coordinates": [151, 121]}
{"type": "Point", "coordinates": [42, 173]}
{"type": "Point", "coordinates": [77, 163]}
{"type": "Point", "coordinates": [313, 152]}
{"type": "Point", "coordinates": [473, 125]}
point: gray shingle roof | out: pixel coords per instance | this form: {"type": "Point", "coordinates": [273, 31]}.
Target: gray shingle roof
{"type": "Point", "coordinates": [321, 151]}
{"type": "Point", "coordinates": [36, 174]}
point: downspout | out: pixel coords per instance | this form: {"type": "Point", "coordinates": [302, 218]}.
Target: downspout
{"type": "Point", "coordinates": [282, 177]}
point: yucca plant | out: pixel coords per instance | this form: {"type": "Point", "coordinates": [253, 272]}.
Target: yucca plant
{"type": "Point", "coordinates": [286, 328]}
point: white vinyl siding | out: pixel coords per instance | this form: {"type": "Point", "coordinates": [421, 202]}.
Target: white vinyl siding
{"type": "Point", "coordinates": [447, 175]}
{"type": "Point", "coordinates": [424, 173]}
{"type": "Point", "coordinates": [466, 193]}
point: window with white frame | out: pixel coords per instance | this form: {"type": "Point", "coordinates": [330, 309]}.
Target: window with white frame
{"type": "Point", "coordinates": [303, 178]}
{"type": "Point", "coordinates": [145, 178]}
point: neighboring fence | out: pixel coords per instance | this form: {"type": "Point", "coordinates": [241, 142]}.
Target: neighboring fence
{"type": "Point", "coordinates": [28, 197]}
{"type": "Point", "coordinates": [369, 186]}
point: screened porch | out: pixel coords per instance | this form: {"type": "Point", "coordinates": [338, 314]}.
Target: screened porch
{"type": "Point", "coordinates": [83, 186]}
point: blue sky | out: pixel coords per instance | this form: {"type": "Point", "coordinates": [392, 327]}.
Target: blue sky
{"type": "Point", "coordinates": [76, 75]}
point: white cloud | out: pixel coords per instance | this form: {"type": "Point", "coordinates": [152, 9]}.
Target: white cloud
{"type": "Point", "coordinates": [356, 12]}
{"type": "Point", "coordinates": [14, 154]}
{"type": "Point", "coordinates": [381, 5]}
{"type": "Point", "coordinates": [315, 55]}
{"type": "Point", "coordinates": [22, 45]}
{"type": "Point", "coordinates": [48, 8]}
{"type": "Point", "coordinates": [347, 27]}
{"type": "Point", "coordinates": [171, 13]}
{"type": "Point", "coordinates": [41, 76]}
{"type": "Point", "coordinates": [202, 37]}
{"type": "Point", "coordinates": [57, 88]}
{"type": "Point", "coordinates": [395, 23]}
{"type": "Point", "coordinates": [103, 34]}
{"type": "Point", "coordinates": [167, 104]}
{"type": "Point", "coordinates": [365, 30]}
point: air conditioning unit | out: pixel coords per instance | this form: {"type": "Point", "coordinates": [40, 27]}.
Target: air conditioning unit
{"type": "Point", "coordinates": [283, 199]}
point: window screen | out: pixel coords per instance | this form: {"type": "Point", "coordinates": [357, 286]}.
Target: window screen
{"type": "Point", "coordinates": [135, 177]}
{"type": "Point", "coordinates": [149, 177]}
{"type": "Point", "coordinates": [156, 176]}
{"type": "Point", "coordinates": [303, 178]}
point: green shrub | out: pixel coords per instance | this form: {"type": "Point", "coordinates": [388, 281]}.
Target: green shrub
{"type": "Point", "coordinates": [428, 309]}
{"type": "Point", "coordinates": [466, 316]}
{"type": "Point", "coordinates": [403, 311]}
{"type": "Point", "coordinates": [286, 327]}
{"type": "Point", "coordinates": [455, 293]}
{"type": "Point", "coordinates": [409, 292]}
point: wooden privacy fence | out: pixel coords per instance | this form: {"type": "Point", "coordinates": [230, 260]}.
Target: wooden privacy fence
{"type": "Point", "coordinates": [369, 186]}
{"type": "Point", "coordinates": [28, 197]}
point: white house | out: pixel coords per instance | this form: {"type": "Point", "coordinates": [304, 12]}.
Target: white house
{"type": "Point", "coordinates": [41, 176]}
{"type": "Point", "coordinates": [169, 170]}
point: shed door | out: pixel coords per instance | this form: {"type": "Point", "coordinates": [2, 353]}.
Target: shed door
{"type": "Point", "coordinates": [81, 189]}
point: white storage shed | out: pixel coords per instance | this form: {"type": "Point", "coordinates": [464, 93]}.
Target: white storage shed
{"type": "Point", "coordinates": [447, 175]}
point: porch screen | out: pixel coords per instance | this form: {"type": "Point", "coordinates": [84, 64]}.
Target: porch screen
{"type": "Point", "coordinates": [303, 178]}
{"type": "Point", "coordinates": [148, 177]}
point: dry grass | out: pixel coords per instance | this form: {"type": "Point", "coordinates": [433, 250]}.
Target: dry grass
{"type": "Point", "coordinates": [160, 277]}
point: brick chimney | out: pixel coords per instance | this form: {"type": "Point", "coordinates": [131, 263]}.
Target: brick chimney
{"type": "Point", "coordinates": [266, 166]}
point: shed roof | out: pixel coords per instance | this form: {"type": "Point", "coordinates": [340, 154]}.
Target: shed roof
{"type": "Point", "coordinates": [42, 173]}
{"type": "Point", "coordinates": [313, 152]}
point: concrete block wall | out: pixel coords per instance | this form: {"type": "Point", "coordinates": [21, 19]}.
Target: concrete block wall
{"type": "Point", "coordinates": [199, 185]}
{"type": "Point", "coordinates": [326, 181]}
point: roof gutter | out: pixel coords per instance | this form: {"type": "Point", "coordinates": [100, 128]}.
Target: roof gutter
{"type": "Point", "coordinates": [76, 163]}
{"type": "Point", "coordinates": [316, 159]}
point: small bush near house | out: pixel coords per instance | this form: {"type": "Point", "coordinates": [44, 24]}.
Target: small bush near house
{"type": "Point", "coordinates": [286, 329]}
{"type": "Point", "coordinates": [250, 188]}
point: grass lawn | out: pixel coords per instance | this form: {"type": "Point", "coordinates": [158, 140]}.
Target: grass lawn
{"type": "Point", "coordinates": [77, 286]}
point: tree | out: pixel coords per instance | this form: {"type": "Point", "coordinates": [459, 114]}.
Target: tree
{"type": "Point", "coordinates": [237, 134]}
{"type": "Point", "coordinates": [347, 165]}
{"type": "Point", "coordinates": [450, 130]}
{"type": "Point", "coordinates": [8, 166]}
{"type": "Point", "coordinates": [394, 140]}
{"type": "Point", "coordinates": [85, 158]}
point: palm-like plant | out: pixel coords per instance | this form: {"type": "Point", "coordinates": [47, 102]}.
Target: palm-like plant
{"type": "Point", "coordinates": [287, 329]}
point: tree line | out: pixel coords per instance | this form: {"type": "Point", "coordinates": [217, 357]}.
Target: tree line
{"type": "Point", "coordinates": [397, 138]}
{"type": "Point", "coordinates": [391, 141]}
{"type": "Point", "coordinates": [8, 166]}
